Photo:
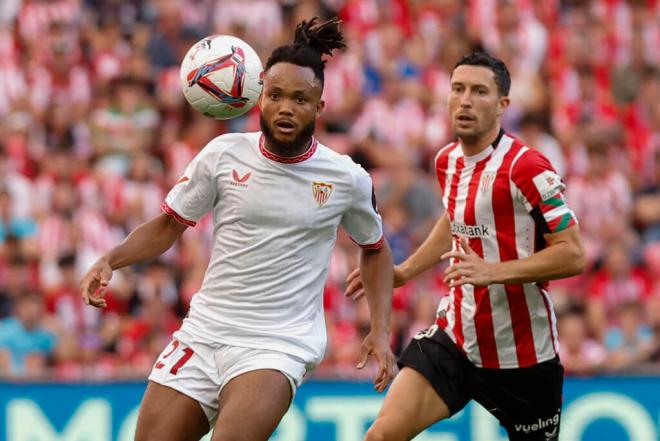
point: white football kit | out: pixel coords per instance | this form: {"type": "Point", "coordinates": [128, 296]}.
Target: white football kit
{"type": "Point", "coordinates": [275, 224]}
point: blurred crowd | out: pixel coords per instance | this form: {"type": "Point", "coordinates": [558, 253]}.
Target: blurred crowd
{"type": "Point", "coordinates": [94, 130]}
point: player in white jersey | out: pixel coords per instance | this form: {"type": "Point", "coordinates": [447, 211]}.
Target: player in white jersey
{"type": "Point", "coordinates": [256, 326]}
{"type": "Point", "coordinates": [507, 231]}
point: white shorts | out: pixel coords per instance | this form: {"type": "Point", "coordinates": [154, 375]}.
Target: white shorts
{"type": "Point", "coordinates": [200, 371]}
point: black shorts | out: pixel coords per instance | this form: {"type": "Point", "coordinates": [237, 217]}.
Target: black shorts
{"type": "Point", "coordinates": [526, 401]}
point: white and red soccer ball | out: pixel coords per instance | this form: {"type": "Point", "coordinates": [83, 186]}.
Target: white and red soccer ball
{"type": "Point", "coordinates": [221, 76]}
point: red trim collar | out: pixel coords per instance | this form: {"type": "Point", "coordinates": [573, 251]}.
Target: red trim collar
{"type": "Point", "coordinates": [285, 160]}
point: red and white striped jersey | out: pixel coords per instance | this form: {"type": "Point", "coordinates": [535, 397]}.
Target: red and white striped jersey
{"type": "Point", "coordinates": [502, 200]}
{"type": "Point", "coordinates": [35, 17]}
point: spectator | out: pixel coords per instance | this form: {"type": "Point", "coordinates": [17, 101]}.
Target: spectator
{"type": "Point", "coordinates": [580, 355]}
{"type": "Point", "coordinates": [631, 341]}
{"type": "Point", "coordinates": [532, 131]}
{"type": "Point", "coordinates": [167, 41]}
{"type": "Point", "coordinates": [18, 279]}
{"type": "Point", "coordinates": [63, 303]}
{"type": "Point", "coordinates": [601, 196]}
{"type": "Point", "coordinates": [25, 345]}
{"type": "Point", "coordinates": [125, 127]}
{"type": "Point", "coordinates": [23, 228]}
{"type": "Point", "coordinates": [17, 184]}
{"type": "Point", "coordinates": [647, 204]}
{"type": "Point", "coordinates": [94, 130]}
{"type": "Point", "coordinates": [397, 231]}
{"type": "Point", "coordinates": [141, 194]}
{"type": "Point", "coordinates": [617, 283]}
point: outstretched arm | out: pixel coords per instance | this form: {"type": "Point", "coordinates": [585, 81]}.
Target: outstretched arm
{"type": "Point", "coordinates": [427, 255]}
{"type": "Point", "coordinates": [376, 268]}
{"type": "Point", "coordinates": [145, 243]}
{"type": "Point", "coordinates": [563, 257]}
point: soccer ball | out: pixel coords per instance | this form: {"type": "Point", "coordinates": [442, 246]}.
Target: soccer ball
{"type": "Point", "coordinates": [221, 76]}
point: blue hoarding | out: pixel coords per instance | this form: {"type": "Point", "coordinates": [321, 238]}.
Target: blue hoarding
{"type": "Point", "coordinates": [603, 409]}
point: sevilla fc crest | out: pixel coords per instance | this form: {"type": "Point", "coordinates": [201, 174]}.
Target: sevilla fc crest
{"type": "Point", "coordinates": [322, 192]}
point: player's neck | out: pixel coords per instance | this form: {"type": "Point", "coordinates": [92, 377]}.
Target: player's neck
{"type": "Point", "coordinates": [287, 150]}
{"type": "Point", "coordinates": [473, 147]}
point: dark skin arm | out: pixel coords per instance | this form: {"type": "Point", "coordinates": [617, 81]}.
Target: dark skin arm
{"type": "Point", "coordinates": [145, 243]}
{"type": "Point", "coordinates": [376, 268]}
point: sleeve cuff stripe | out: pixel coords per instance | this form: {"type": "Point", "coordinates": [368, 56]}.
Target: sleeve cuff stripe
{"type": "Point", "coordinates": [371, 246]}
{"type": "Point", "coordinates": [556, 212]}
{"type": "Point", "coordinates": [562, 223]}
{"type": "Point", "coordinates": [168, 210]}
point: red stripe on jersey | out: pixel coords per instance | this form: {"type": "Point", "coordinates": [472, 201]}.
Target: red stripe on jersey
{"type": "Point", "coordinates": [458, 293]}
{"type": "Point", "coordinates": [441, 162]}
{"type": "Point", "coordinates": [170, 211]}
{"type": "Point", "coordinates": [483, 319]}
{"type": "Point", "coordinates": [505, 226]}
{"type": "Point", "coordinates": [453, 190]}
{"type": "Point", "coordinates": [458, 318]}
{"type": "Point", "coordinates": [522, 173]}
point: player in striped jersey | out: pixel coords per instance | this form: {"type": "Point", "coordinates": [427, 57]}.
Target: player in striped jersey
{"type": "Point", "coordinates": [507, 231]}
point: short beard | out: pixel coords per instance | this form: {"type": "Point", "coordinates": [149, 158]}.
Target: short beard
{"type": "Point", "coordinates": [469, 139]}
{"type": "Point", "coordinates": [287, 149]}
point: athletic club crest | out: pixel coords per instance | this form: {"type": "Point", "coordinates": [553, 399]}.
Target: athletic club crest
{"type": "Point", "coordinates": [487, 179]}
{"type": "Point", "coordinates": [321, 192]}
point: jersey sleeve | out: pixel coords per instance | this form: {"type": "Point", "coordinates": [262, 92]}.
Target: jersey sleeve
{"type": "Point", "coordinates": [441, 161]}
{"type": "Point", "coordinates": [362, 220]}
{"type": "Point", "coordinates": [195, 192]}
{"type": "Point", "coordinates": [541, 190]}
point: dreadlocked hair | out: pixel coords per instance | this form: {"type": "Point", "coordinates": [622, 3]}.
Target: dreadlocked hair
{"type": "Point", "coordinates": [310, 43]}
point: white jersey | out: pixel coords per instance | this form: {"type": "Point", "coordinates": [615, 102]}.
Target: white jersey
{"type": "Point", "coordinates": [275, 224]}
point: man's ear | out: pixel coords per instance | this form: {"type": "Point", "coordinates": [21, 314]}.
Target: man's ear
{"type": "Point", "coordinates": [502, 105]}
{"type": "Point", "coordinates": [319, 107]}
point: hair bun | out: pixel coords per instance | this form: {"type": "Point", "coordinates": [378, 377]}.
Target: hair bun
{"type": "Point", "coordinates": [322, 38]}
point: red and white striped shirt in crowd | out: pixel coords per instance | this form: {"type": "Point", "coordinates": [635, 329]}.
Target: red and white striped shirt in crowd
{"type": "Point", "coordinates": [73, 89]}
{"type": "Point", "coordinates": [12, 81]}
{"type": "Point", "coordinates": [12, 87]}
{"type": "Point", "coordinates": [360, 16]}
{"type": "Point", "coordinates": [35, 17]}
{"type": "Point", "coordinates": [344, 75]}
{"type": "Point", "coordinates": [529, 38]}
{"type": "Point", "coordinates": [262, 20]}
{"type": "Point", "coordinates": [396, 123]}
{"type": "Point", "coordinates": [502, 200]}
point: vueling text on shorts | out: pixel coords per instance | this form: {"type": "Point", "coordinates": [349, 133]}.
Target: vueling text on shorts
{"type": "Point", "coordinates": [540, 424]}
